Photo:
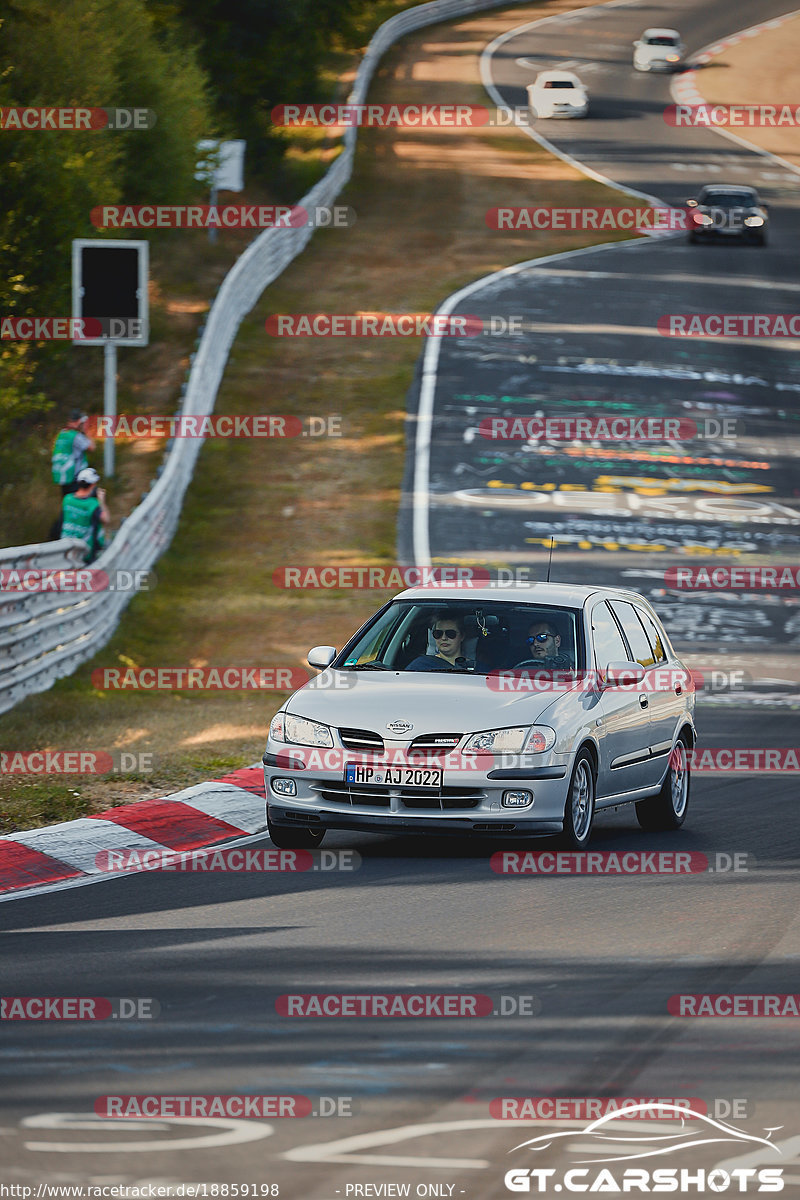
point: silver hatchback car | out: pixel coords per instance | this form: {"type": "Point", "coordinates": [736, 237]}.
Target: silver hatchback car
{"type": "Point", "coordinates": [512, 711]}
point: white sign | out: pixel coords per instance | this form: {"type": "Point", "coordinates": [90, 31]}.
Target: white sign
{"type": "Point", "coordinates": [228, 174]}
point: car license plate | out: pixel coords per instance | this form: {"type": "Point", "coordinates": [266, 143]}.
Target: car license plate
{"type": "Point", "coordinates": [394, 776]}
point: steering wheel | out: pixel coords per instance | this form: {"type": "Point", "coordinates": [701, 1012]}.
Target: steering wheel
{"type": "Point", "coordinates": [541, 663]}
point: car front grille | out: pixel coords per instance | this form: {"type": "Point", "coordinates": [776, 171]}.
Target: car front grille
{"type": "Point", "coordinates": [434, 743]}
{"type": "Point", "coordinates": [362, 739]}
{"type": "Point", "coordinates": [371, 796]}
{"type": "Point", "coordinates": [446, 799]}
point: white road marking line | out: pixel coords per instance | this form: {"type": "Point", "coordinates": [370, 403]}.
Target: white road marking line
{"type": "Point", "coordinates": [344, 1150]}
{"type": "Point", "coordinates": [233, 1133]}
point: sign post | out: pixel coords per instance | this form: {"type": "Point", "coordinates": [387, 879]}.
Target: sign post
{"type": "Point", "coordinates": [109, 290]}
{"type": "Point", "coordinates": [221, 166]}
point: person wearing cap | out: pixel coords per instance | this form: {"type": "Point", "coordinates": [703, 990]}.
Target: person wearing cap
{"type": "Point", "coordinates": [69, 451]}
{"type": "Point", "coordinates": [84, 512]}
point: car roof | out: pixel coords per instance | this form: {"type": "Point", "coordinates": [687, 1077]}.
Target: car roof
{"type": "Point", "coordinates": [546, 76]}
{"type": "Point", "coordinates": [566, 595]}
{"type": "Point", "coordinates": [661, 33]}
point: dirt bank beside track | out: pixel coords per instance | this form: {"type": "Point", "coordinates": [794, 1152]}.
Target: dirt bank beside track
{"type": "Point", "coordinates": [759, 70]}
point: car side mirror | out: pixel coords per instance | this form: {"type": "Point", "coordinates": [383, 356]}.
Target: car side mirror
{"type": "Point", "coordinates": [321, 657]}
{"type": "Point", "coordinates": [623, 674]}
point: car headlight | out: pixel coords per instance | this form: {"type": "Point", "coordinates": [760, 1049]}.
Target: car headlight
{"type": "Point", "coordinates": [701, 218]}
{"type": "Point", "coordinates": [673, 58]}
{"type": "Point", "coordinates": [753, 222]}
{"type": "Point", "coordinates": [531, 738]}
{"type": "Point", "coordinates": [287, 728]}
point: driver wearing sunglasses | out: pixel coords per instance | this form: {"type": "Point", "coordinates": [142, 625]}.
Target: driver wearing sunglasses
{"type": "Point", "coordinates": [447, 631]}
{"type": "Point", "coordinates": [543, 649]}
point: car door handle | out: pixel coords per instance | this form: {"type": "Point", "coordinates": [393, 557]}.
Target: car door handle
{"type": "Point", "coordinates": [643, 702]}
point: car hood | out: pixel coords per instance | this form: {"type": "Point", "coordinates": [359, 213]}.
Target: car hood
{"type": "Point", "coordinates": [431, 701]}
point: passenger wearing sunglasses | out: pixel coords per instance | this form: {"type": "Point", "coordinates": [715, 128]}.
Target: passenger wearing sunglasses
{"type": "Point", "coordinates": [447, 630]}
{"type": "Point", "coordinates": [544, 645]}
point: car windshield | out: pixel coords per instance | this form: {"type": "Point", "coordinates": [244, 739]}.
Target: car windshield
{"type": "Point", "coordinates": [729, 199]}
{"type": "Point", "coordinates": [474, 637]}
{"type": "Point", "coordinates": [660, 40]}
{"type": "Point", "coordinates": [559, 83]}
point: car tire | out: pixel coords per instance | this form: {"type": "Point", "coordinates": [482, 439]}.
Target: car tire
{"type": "Point", "coordinates": [668, 809]}
{"type": "Point", "coordinates": [291, 837]}
{"type": "Point", "coordinates": [579, 805]}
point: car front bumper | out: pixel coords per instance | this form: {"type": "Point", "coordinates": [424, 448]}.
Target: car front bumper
{"type": "Point", "coordinates": [658, 64]}
{"type": "Point", "coordinates": [566, 113]}
{"type": "Point", "coordinates": [469, 802]}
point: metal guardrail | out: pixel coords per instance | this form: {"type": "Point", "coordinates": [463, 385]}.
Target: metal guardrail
{"type": "Point", "coordinates": [45, 636]}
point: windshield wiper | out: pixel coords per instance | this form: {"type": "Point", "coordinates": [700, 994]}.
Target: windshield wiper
{"type": "Point", "coordinates": [375, 665]}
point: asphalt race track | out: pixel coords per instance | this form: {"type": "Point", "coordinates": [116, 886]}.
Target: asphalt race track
{"type": "Point", "coordinates": [600, 956]}
{"type": "Point", "coordinates": [579, 969]}
{"type": "Point", "coordinates": [623, 512]}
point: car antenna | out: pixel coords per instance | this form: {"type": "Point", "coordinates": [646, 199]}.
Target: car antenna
{"type": "Point", "coordinates": [550, 560]}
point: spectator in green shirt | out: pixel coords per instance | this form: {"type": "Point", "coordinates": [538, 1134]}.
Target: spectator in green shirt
{"type": "Point", "coordinates": [84, 512]}
{"type": "Point", "coordinates": [69, 451]}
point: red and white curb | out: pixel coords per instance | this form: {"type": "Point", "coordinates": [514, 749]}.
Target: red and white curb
{"type": "Point", "coordinates": [217, 811]}
{"type": "Point", "coordinates": [684, 89]}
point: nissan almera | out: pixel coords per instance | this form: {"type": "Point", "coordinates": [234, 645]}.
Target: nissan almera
{"type": "Point", "coordinates": [514, 711]}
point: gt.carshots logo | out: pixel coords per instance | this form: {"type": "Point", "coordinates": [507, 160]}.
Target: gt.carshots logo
{"type": "Point", "coordinates": [639, 1130]}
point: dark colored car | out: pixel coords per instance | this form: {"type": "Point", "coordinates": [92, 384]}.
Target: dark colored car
{"type": "Point", "coordinates": [728, 210]}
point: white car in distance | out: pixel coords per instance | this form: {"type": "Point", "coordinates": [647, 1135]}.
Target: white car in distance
{"type": "Point", "coordinates": [557, 94]}
{"type": "Point", "coordinates": [658, 50]}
